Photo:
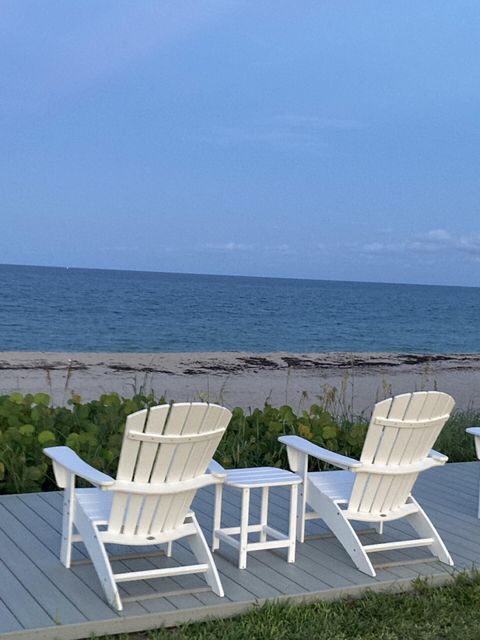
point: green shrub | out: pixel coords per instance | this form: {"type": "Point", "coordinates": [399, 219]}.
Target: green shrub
{"type": "Point", "coordinates": [251, 439]}
{"type": "Point", "coordinates": [94, 430]}
{"type": "Point", "coordinates": [28, 424]}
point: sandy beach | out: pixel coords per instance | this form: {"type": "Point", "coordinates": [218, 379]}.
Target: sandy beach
{"type": "Point", "coordinates": [242, 379]}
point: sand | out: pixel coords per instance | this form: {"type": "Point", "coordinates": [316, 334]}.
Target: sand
{"type": "Point", "coordinates": [243, 379]}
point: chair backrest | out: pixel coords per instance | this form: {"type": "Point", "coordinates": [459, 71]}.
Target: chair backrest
{"type": "Point", "coordinates": [167, 444]}
{"type": "Point", "coordinates": [401, 433]}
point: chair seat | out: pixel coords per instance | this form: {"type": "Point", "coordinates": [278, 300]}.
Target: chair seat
{"type": "Point", "coordinates": [337, 485]}
{"type": "Point", "coordinates": [96, 504]}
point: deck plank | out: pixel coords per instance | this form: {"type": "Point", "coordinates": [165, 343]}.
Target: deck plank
{"type": "Point", "coordinates": [8, 622]}
{"type": "Point", "coordinates": [41, 588]}
{"type": "Point", "coordinates": [20, 602]}
{"type": "Point", "coordinates": [81, 595]}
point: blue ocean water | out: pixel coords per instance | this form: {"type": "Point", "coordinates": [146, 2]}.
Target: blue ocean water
{"type": "Point", "coordinates": [56, 309]}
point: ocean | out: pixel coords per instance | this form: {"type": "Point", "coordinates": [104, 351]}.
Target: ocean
{"type": "Point", "coordinates": [58, 309]}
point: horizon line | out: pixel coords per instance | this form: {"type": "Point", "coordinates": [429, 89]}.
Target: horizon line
{"type": "Point", "coordinates": [227, 275]}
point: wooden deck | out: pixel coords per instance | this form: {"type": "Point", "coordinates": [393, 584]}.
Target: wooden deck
{"type": "Point", "coordinates": [39, 598]}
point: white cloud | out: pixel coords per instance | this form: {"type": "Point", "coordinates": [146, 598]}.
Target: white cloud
{"type": "Point", "coordinates": [261, 134]}
{"type": "Point", "coordinates": [312, 123]}
{"type": "Point", "coordinates": [438, 235]}
{"type": "Point", "coordinates": [432, 242]}
{"type": "Point", "coordinates": [281, 130]}
{"type": "Point", "coordinates": [383, 247]}
{"type": "Point", "coordinates": [227, 246]}
{"type": "Point", "coordinates": [282, 249]}
{"type": "Point", "coordinates": [279, 249]}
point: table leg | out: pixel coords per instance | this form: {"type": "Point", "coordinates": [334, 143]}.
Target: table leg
{"type": "Point", "coordinates": [264, 514]}
{"type": "Point", "coordinates": [242, 563]}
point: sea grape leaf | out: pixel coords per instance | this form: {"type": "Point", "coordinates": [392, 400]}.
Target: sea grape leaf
{"type": "Point", "coordinates": [46, 436]}
{"type": "Point", "coordinates": [27, 429]}
{"type": "Point", "coordinates": [329, 432]}
{"type": "Point", "coordinates": [42, 398]}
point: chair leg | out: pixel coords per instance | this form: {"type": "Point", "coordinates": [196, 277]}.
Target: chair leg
{"type": "Point", "coordinates": [334, 519]}
{"type": "Point", "coordinates": [203, 554]}
{"type": "Point", "coordinates": [301, 510]}
{"type": "Point", "coordinates": [96, 550]}
{"type": "Point", "coordinates": [67, 521]}
{"type": "Point", "coordinates": [292, 521]}
{"type": "Point", "coordinates": [425, 529]}
{"type": "Point", "coordinates": [217, 516]}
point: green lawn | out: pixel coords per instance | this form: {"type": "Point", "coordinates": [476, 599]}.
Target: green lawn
{"type": "Point", "coordinates": [426, 613]}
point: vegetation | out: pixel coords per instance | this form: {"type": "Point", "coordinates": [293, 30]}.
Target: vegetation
{"type": "Point", "coordinates": [426, 613]}
{"type": "Point", "coordinates": [94, 430]}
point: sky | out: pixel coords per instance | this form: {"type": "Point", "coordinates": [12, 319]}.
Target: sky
{"type": "Point", "coordinates": [326, 139]}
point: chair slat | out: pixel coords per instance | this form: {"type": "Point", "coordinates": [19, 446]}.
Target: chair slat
{"type": "Point", "coordinates": [380, 497]}
{"type": "Point", "coordinates": [117, 513]}
{"type": "Point", "coordinates": [154, 425]}
{"type": "Point", "coordinates": [374, 432]}
{"type": "Point", "coordinates": [174, 426]}
{"type": "Point", "coordinates": [181, 467]}
{"type": "Point", "coordinates": [130, 448]}
{"type": "Point", "coordinates": [147, 452]}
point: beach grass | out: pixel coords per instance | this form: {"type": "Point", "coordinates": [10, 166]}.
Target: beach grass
{"type": "Point", "coordinates": [453, 439]}
{"type": "Point", "coordinates": [424, 613]}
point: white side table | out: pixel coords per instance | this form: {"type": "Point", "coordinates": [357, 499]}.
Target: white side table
{"type": "Point", "coordinates": [245, 480]}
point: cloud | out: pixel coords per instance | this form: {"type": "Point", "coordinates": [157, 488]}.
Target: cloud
{"type": "Point", "coordinates": [438, 235]}
{"type": "Point", "coordinates": [227, 246]}
{"type": "Point", "coordinates": [435, 241]}
{"type": "Point", "coordinates": [281, 131]}
{"type": "Point", "coordinates": [261, 134]}
{"type": "Point", "coordinates": [230, 247]}
{"type": "Point", "coordinates": [383, 247]}
{"type": "Point", "coordinates": [311, 123]}
{"type": "Point", "coordinates": [284, 249]}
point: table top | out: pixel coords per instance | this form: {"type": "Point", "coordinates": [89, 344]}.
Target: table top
{"type": "Point", "coordinates": [260, 477]}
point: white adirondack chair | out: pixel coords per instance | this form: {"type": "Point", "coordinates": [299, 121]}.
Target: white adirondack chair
{"type": "Point", "coordinates": [475, 432]}
{"type": "Point", "coordinates": [163, 461]}
{"type": "Point", "coordinates": [376, 489]}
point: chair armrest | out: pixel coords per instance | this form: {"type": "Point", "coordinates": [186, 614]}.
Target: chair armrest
{"type": "Point", "coordinates": [475, 431]}
{"type": "Point", "coordinates": [216, 469]}
{"type": "Point", "coordinates": [67, 462]}
{"type": "Point", "coordinates": [310, 449]}
{"type": "Point", "coordinates": [437, 456]}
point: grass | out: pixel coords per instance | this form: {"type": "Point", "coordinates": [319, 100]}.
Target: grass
{"type": "Point", "coordinates": [425, 613]}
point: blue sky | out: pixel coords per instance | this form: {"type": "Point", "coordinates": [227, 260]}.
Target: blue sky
{"type": "Point", "coordinates": [321, 139]}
